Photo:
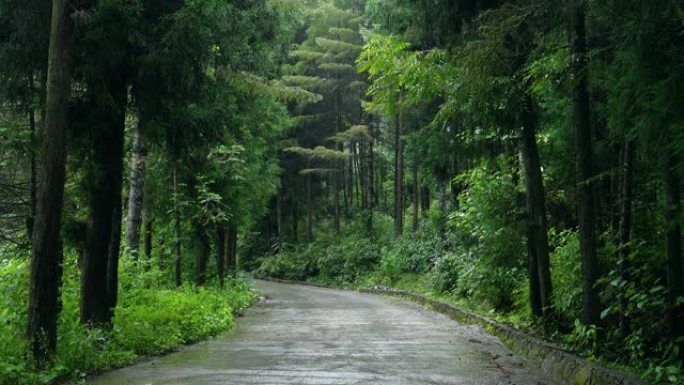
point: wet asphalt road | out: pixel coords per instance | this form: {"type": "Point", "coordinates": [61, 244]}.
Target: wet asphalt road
{"type": "Point", "coordinates": [312, 336]}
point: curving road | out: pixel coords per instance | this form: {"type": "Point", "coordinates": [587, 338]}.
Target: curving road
{"type": "Point", "coordinates": [305, 335]}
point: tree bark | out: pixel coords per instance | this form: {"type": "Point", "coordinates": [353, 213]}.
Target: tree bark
{"type": "Point", "coordinates": [176, 226]}
{"type": "Point", "coordinates": [372, 199]}
{"type": "Point", "coordinates": [673, 241]}
{"type": "Point", "coordinates": [279, 219]}
{"type": "Point", "coordinates": [295, 220]}
{"type": "Point", "coordinates": [231, 253]}
{"type": "Point", "coordinates": [583, 147]}
{"type": "Point", "coordinates": [398, 176]}
{"type": "Point", "coordinates": [221, 253]}
{"type": "Point", "coordinates": [107, 128]}
{"type": "Point", "coordinates": [114, 250]}
{"type": "Point", "coordinates": [414, 225]}
{"type": "Point", "coordinates": [537, 239]}
{"type": "Point", "coordinates": [425, 201]}
{"type": "Point", "coordinates": [33, 186]}
{"type": "Point", "coordinates": [309, 224]}
{"type": "Point", "coordinates": [148, 225]}
{"type": "Point", "coordinates": [44, 286]}
{"type": "Point", "coordinates": [625, 230]}
{"type": "Point", "coordinates": [135, 193]}
{"type": "Point", "coordinates": [203, 249]}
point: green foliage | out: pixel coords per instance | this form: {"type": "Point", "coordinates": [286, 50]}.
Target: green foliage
{"type": "Point", "coordinates": [565, 273]}
{"type": "Point", "coordinates": [487, 233]}
{"type": "Point", "coordinates": [149, 319]}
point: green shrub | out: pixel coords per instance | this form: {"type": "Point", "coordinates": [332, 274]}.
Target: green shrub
{"type": "Point", "coordinates": [148, 320]}
{"type": "Point", "coordinates": [487, 234]}
{"type": "Point", "coordinates": [566, 273]}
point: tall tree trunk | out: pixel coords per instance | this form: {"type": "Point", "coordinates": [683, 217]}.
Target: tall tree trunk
{"type": "Point", "coordinates": [148, 224]}
{"type": "Point", "coordinates": [363, 172]}
{"type": "Point", "coordinates": [176, 226]}
{"type": "Point", "coordinates": [583, 147]}
{"type": "Point", "coordinates": [336, 208]}
{"type": "Point", "coordinates": [221, 253]}
{"type": "Point", "coordinates": [46, 261]}
{"type": "Point", "coordinates": [309, 224]}
{"type": "Point", "coordinates": [626, 229]}
{"type": "Point", "coordinates": [279, 219]}
{"type": "Point", "coordinates": [673, 241]}
{"type": "Point", "coordinates": [424, 200]}
{"type": "Point", "coordinates": [231, 253]}
{"type": "Point", "coordinates": [537, 240]}
{"type": "Point", "coordinates": [356, 174]}
{"type": "Point", "coordinates": [414, 225]}
{"type": "Point", "coordinates": [107, 122]}
{"type": "Point", "coordinates": [203, 249]}
{"type": "Point", "coordinates": [295, 220]}
{"type": "Point", "coordinates": [114, 250]}
{"type": "Point", "coordinates": [135, 193]}
{"type": "Point", "coordinates": [398, 176]}
{"type": "Point", "coordinates": [372, 199]}
{"type": "Point", "coordinates": [32, 152]}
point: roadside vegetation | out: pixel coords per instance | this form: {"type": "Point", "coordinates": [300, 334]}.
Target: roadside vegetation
{"type": "Point", "coordinates": [152, 317]}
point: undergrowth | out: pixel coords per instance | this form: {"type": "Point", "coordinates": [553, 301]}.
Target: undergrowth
{"type": "Point", "coordinates": [150, 319]}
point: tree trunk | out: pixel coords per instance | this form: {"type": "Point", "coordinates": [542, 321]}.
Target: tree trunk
{"type": "Point", "coordinates": [583, 147]}
{"type": "Point", "coordinates": [231, 253]}
{"type": "Point", "coordinates": [32, 142]}
{"type": "Point", "coordinates": [625, 230]}
{"type": "Point", "coordinates": [107, 125]}
{"type": "Point", "coordinates": [336, 214]}
{"type": "Point", "coordinates": [537, 239]}
{"type": "Point", "coordinates": [295, 220]}
{"type": "Point", "coordinates": [135, 193]}
{"type": "Point", "coordinates": [147, 238]}
{"type": "Point", "coordinates": [414, 225]}
{"type": "Point", "coordinates": [673, 240]}
{"type": "Point", "coordinates": [309, 224]}
{"type": "Point", "coordinates": [372, 199]}
{"type": "Point", "coordinates": [279, 219]}
{"type": "Point", "coordinates": [114, 250]}
{"type": "Point", "coordinates": [221, 253]}
{"type": "Point", "coordinates": [424, 201]}
{"type": "Point", "coordinates": [46, 261]}
{"type": "Point", "coordinates": [398, 176]}
{"type": "Point", "coordinates": [176, 226]}
{"type": "Point", "coordinates": [203, 249]}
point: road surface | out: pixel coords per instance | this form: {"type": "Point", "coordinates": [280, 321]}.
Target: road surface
{"type": "Point", "coordinates": [313, 336]}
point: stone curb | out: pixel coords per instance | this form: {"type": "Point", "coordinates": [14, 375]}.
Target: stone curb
{"type": "Point", "coordinates": [561, 365]}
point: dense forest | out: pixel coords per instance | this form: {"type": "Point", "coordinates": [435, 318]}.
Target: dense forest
{"type": "Point", "coordinates": [519, 158]}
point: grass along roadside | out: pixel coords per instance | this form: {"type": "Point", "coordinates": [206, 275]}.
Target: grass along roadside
{"type": "Point", "coordinates": [150, 319]}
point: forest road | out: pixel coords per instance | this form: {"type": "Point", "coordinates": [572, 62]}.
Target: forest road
{"type": "Point", "coordinates": [314, 336]}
